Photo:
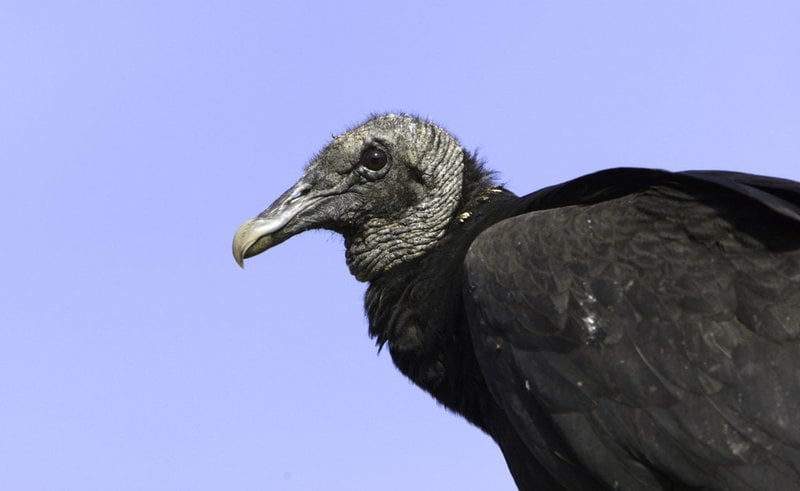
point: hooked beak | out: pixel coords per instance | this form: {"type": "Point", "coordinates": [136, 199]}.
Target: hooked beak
{"type": "Point", "coordinates": [269, 228]}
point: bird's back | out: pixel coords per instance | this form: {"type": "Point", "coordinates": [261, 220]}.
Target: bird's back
{"type": "Point", "coordinates": [656, 319]}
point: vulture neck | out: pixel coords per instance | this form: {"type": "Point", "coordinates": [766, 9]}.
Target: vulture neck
{"type": "Point", "coordinates": [417, 308]}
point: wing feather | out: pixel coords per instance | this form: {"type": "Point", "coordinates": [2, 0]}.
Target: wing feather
{"type": "Point", "coordinates": [660, 330]}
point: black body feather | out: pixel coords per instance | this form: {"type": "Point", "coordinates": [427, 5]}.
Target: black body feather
{"type": "Point", "coordinates": [577, 325]}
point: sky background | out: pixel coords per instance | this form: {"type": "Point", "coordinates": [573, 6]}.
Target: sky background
{"type": "Point", "coordinates": [136, 136]}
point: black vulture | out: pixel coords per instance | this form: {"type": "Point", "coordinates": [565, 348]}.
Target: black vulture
{"type": "Point", "coordinates": [628, 329]}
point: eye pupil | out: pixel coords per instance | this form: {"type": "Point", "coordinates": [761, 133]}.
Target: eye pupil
{"type": "Point", "coordinates": [374, 158]}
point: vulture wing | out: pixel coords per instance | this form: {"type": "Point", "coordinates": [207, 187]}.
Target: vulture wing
{"type": "Point", "coordinates": [652, 322]}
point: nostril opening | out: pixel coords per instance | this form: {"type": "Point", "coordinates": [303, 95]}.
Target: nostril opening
{"type": "Point", "coordinates": [300, 192]}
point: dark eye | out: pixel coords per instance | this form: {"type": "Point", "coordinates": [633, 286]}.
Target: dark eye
{"type": "Point", "coordinates": [373, 158]}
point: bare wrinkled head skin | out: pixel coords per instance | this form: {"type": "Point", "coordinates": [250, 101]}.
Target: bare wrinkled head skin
{"type": "Point", "coordinates": [390, 186]}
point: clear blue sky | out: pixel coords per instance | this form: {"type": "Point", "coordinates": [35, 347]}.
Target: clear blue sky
{"type": "Point", "coordinates": [136, 136]}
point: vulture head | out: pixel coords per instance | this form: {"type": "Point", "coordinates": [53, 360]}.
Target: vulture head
{"type": "Point", "coordinates": [390, 186]}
